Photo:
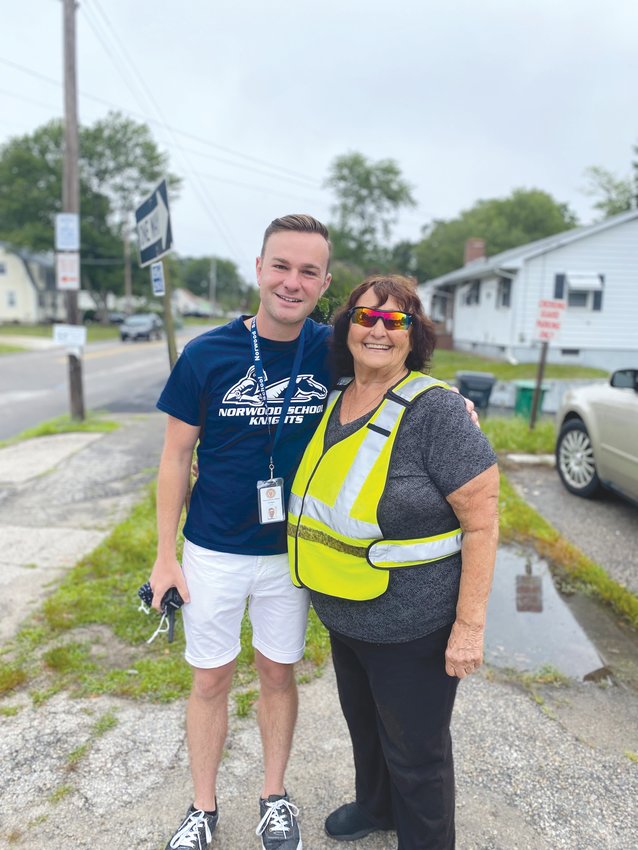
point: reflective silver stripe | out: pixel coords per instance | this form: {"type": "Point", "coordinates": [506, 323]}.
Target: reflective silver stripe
{"type": "Point", "coordinates": [396, 552]}
{"type": "Point", "coordinates": [338, 517]}
{"type": "Point", "coordinates": [373, 443]}
{"type": "Point", "coordinates": [335, 520]}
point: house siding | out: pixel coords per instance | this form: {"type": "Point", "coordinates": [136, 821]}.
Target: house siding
{"type": "Point", "coordinates": [605, 338]}
{"type": "Point", "coordinates": [16, 280]}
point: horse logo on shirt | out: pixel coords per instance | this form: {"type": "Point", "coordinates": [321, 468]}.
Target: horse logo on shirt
{"type": "Point", "coordinates": [246, 391]}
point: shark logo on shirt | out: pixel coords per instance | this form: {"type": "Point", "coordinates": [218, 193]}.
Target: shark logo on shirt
{"type": "Point", "coordinates": [246, 391]}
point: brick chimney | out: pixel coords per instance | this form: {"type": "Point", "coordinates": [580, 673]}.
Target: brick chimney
{"type": "Point", "coordinates": [474, 249]}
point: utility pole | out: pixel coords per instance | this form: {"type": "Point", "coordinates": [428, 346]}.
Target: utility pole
{"type": "Point", "coordinates": [212, 286]}
{"type": "Point", "coordinates": [71, 190]}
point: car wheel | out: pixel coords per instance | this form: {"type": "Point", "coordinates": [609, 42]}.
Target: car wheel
{"type": "Point", "coordinates": [575, 460]}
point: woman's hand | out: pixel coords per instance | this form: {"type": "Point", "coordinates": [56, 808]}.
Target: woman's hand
{"type": "Point", "coordinates": [464, 653]}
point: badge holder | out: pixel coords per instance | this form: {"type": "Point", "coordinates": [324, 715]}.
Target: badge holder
{"type": "Point", "coordinates": [270, 500]}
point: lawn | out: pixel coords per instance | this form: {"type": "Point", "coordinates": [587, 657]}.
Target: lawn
{"type": "Point", "coordinates": [446, 363]}
{"type": "Point", "coordinates": [94, 333]}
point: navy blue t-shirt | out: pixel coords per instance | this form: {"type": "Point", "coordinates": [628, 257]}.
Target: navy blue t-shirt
{"type": "Point", "coordinates": [213, 382]}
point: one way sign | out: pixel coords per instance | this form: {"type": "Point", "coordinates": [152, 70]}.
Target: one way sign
{"type": "Point", "coordinates": [154, 233]}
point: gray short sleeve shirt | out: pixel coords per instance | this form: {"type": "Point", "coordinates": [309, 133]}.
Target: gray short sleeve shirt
{"type": "Point", "coordinates": [437, 450]}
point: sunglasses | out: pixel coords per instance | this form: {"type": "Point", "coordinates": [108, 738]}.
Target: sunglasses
{"type": "Point", "coordinates": [393, 320]}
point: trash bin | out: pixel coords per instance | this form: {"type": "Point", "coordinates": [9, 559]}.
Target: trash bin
{"type": "Point", "coordinates": [525, 397]}
{"type": "Point", "coordinates": [476, 386]}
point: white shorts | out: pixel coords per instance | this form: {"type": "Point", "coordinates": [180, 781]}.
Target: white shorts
{"type": "Point", "coordinates": [219, 584]}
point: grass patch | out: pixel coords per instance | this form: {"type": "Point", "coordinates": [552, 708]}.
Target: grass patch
{"type": "Point", "coordinates": [94, 423]}
{"type": "Point", "coordinates": [11, 677]}
{"type": "Point", "coordinates": [10, 349]}
{"type": "Point", "coordinates": [445, 364]}
{"type": "Point", "coordinates": [89, 637]}
{"type": "Point", "coordinates": [520, 523]}
{"type": "Point", "coordinates": [244, 702]}
{"type": "Point", "coordinates": [513, 435]}
{"type": "Point", "coordinates": [94, 333]}
{"type": "Point", "coordinates": [60, 793]}
{"type": "Point", "coordinates": [632, 756]}
{"type": "Point", "coordinates": [9, 710]}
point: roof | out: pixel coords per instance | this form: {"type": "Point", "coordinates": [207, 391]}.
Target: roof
{"type": "Point", "coordinates": [513, 258]}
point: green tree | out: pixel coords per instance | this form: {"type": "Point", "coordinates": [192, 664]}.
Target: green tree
{"type": "Point", "coordinates": [193, 273]}
{"type": "Point", "coordinates": [613, 194]}
{"type": "Point", "coordinates": [369, 197]}
{"type": "Point", "coordinates": [524, 216]}
{"type": "Point", "coordinates": [119, 162]}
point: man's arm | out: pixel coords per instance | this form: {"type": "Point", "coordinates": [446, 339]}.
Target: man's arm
{"type": "Point", "coordinates": [172, 484]}
{"type": "Point", "coordinates": [476, 506]}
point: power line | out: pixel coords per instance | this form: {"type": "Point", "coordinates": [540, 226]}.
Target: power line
{"type": "Point", "coordinates": [143, 115]}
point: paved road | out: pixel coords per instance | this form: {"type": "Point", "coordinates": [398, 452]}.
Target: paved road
{"type": "Point", "coordinates": [605, 529]}
{"type": "Point", "coordinates": [125, 378]}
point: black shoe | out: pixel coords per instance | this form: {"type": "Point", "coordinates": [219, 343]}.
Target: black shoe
{"type": "Point", "coordinates": [195, 832]}
{"type": "Point", "coordinates": [278, 826]}
{"type": "Point", "coordinates": [349, 822]}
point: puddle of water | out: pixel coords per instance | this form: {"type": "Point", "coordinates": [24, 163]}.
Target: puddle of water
{"type": "Point", "coordinates": [529, 626]}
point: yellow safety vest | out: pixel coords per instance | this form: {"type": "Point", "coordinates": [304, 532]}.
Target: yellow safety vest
{"type": "Point", "coordinates": [335, 545]}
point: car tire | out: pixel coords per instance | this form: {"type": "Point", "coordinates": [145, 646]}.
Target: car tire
{"type": "Point", "coordinates": [575, 460]}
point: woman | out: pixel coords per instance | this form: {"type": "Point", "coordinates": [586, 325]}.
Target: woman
{"type": "Point", "coordinates": [393, 528]}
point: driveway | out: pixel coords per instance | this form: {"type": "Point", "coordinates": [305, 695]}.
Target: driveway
{"type": "Point", "coordinates": [605, 529]}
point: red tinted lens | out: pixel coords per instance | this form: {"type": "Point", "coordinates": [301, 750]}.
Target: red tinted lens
{"type": "Point", "coordinates": [393, 320]}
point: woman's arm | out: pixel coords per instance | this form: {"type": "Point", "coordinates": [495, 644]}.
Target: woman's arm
{"type": "Point", "coordinates": [476, 506]}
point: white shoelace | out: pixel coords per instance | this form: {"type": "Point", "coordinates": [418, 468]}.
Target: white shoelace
{"type": "Point", "coordinates": [276, 818]}
{"type": "Point", "coordinates": [188, 833]}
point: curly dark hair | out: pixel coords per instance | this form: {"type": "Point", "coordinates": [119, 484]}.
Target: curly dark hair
{"type": "Point", "coordinates": [403, 290]}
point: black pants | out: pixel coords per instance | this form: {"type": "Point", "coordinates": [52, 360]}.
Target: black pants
{"type": "Point", "coordinates": [397, 700]}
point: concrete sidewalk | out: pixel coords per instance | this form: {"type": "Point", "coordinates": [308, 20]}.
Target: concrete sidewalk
{"type": "Point", "coordinates": [549, 773]}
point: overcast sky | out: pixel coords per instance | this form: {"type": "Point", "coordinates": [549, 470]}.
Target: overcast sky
{"type": "Point", "coordinates": [253, 100]}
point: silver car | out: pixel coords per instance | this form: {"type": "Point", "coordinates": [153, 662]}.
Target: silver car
{"type": "Point", "coordinates": [141, 326]}
{"type": "Point", "coordinates": [597, 443]}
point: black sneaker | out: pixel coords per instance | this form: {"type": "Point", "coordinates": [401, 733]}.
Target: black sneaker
{"type": "Point", "coordinates": [195, 831]}
{"type": "Point", "coordinates": [349, 822]}
{"type": "Point", "coordinates": [278, 826]}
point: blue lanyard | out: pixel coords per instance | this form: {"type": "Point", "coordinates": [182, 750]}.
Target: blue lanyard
{"type": "Point", "coordinates": [290, 389]}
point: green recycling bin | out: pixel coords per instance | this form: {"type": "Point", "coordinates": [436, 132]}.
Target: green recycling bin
{"type": "Point", "coordinates": [525, 397]}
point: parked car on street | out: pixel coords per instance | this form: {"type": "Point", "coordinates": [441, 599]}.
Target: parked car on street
{"type": "Point", "coordinates": [597, 443]}
{"type": "Point", "coordinates": [141, 326]}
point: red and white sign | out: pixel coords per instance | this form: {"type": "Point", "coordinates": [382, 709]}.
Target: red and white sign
{"type": "Point", "coordinates": [550, 314]}
{"type": "Point", "coordinates": [67, 270]}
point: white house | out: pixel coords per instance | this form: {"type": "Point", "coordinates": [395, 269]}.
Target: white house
{"type": "Point", "coordinates": [491, 305]}
{"type": "Point", "coordinates": [27, 287]}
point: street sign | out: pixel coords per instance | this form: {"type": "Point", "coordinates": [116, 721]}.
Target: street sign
{"type": "Point", "coordinates": [548, 320]}
{"type": "Point", "coordinates": [157, 278]}
{"type": "Point", "coordinates": [67, 271]}
{"type": "Point", "coordinates": [153, 219]}
{"type": "Point", "coordinates": [70, 336]}
{"type": "Point", "coordinates": [67, 232]}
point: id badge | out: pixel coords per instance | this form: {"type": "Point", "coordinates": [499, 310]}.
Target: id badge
{"type": "Point", "coordinates": [270, 499]}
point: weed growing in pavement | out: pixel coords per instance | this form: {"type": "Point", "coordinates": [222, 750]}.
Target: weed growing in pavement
{"type": "Point", "coordinates": [632, 756]}
{"type": "Point", "coordinates": [519, 522]}
{"type": "Point", "coordinates": [11, 677]}
{"type": "Point", "coordinates": [244, 702]}
{"type": "Point", "coordinates": [60, 793]}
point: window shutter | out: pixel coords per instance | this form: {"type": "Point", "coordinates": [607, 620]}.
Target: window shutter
{"type": "Point", "coordinates": [559, 286]}
{"type": "Point", "coordinates": [598, 296]}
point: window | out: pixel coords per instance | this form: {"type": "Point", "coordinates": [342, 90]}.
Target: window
{"type": "Point", "coordinates": [584, 289]}
{"type": "Point", "coordinates": [11, 298]}
{"type": "Point", "coordinates": [3, 268]}
{"type": "Point", "coordinates": [504, 293]}
{"type": "Point", "coordinates": [472, 293]}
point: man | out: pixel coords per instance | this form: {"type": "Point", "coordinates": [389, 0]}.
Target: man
{"type": "Point", "coordinates": [229, 389]}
